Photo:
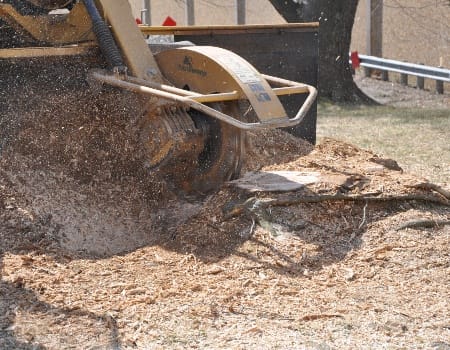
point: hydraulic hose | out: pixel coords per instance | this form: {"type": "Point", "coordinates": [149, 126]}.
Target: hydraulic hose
{"type": "Point", "coordinates": [105, 39]}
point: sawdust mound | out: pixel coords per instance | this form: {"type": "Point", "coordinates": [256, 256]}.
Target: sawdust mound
{"type": "Point", "coordinates": [72, 169]}
{"type": "Point", "coordinates": [97, 252]}
{"type": "Point", "coordinates": [101, 206]}
{"type": "Point", "coordinates": [71, 160]}
{"type": "Point", "coordinates": [72, 165]}
{"type": "Point", "coordinates": [74, 177]}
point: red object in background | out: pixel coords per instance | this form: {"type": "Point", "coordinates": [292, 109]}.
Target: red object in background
{"type": "Point", "coordinates": [354, 57]}
{"type": "Point", "coordinates": [169, 22]}
{"type": "Point", "coordinates": [138, 21]}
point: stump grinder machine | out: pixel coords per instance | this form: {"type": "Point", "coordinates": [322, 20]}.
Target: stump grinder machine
{"type": "Point", "coordinates": [198, 101]}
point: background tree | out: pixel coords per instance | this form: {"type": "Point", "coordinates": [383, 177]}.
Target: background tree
{"type": "Point", "coordinates": [336, 22]}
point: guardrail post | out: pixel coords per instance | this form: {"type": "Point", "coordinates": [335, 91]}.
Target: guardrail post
{"type": "Point", "coordinates": [439, 87]}
{"type": "Point", "coordinates": [385, 75]}
{"type": "Point", "coordinates": [420, 81]}
{"type": "Point", "coordinates": [440, 83]}
{"type": "Point", "coordinates": [404, 79]}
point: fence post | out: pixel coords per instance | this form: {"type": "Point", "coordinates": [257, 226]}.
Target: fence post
{"type": "Point", "coordinates": [374, 29]}
{"type": "Point", "coordinates": [146, 17]}
{"type": "Point", "coordinates": [190, 12]}
{"type": "Point", "coordinates": [240, 11]}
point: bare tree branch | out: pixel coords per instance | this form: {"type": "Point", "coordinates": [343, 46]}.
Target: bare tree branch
{"type": "Point", "coordinates": [256, 205]}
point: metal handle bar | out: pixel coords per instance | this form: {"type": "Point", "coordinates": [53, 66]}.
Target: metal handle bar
{"type": "Point", "coordinates": [196, 100]}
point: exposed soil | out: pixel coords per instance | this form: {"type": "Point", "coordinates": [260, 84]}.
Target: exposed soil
{"type": "Point", "coordinates": [95, 253]}
{"type": "Point", "coordinates": [394, 94]}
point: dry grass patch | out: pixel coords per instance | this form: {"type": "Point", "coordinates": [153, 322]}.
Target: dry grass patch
{"type": "Point", "coordinates": [416, 138]}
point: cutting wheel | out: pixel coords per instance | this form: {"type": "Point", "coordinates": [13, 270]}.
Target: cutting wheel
{"type": "Point", "coordinates": [223, 151]}
{"type": "Point", "coordinates": [193, 152]}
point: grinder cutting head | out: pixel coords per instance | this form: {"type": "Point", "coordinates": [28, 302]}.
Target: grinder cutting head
{"type": "Point", "coordinates": [192, 129]}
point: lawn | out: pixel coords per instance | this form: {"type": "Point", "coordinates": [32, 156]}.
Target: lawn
{"type": "Point", "coordinates": [418, 139]}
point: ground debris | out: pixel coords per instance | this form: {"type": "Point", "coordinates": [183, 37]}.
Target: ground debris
{"type": "Point", "coordinates": [423, 224]}
{"type": "Point", "coordinates": [107, 259]}
{"type": "Point", "coordinates": [319, 316]}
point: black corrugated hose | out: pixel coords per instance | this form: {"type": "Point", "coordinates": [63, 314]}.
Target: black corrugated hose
{"type": "Point", "coordinates": [105, 38]}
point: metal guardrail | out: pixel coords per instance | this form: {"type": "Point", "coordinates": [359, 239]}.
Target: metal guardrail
{"type": "Point", "coordinates": [440, 75]}
{"type": "Point", "coordinates": [406, 68]}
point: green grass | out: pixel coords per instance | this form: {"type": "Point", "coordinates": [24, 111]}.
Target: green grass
{"type": "Point", "coordinates": [418, 139]}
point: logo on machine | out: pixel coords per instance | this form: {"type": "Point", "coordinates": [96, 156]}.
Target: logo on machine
{"type": "Point", "coordinates": [187, 66]}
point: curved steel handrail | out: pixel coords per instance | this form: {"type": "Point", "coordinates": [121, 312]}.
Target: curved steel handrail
{"type": "Point", "coordinates": [196, 100]}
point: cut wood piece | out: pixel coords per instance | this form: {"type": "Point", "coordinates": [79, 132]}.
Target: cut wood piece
{"type": "Point", "coordinates": [276, 181]}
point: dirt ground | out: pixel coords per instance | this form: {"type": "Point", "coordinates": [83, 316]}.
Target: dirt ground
{"type": "Point", "coordinates": [392, 93]}
{"type": "Point", "coordinates": [97, 254]}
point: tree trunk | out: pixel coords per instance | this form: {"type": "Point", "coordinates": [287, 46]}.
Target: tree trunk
{"type": "Point", "coordinates": [336, 22]}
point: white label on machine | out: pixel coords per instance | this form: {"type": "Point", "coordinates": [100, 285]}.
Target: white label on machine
{"type": "Point", "coordinates": [242, 71]}
{"type": "Point", "coordinates": [246, 74]}
{"type": "Point", "coordinates": [237, 65]}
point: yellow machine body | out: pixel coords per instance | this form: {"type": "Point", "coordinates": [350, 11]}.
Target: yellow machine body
{"type": "Point", "coordinates": [208, 70]}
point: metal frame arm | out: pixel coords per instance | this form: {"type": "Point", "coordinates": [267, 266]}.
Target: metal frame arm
{"type": "Point", "coordinates": [196, 100]}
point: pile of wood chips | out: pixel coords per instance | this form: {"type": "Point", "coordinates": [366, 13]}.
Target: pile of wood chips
{"type": "Point", "coordinates": [356, 258]}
